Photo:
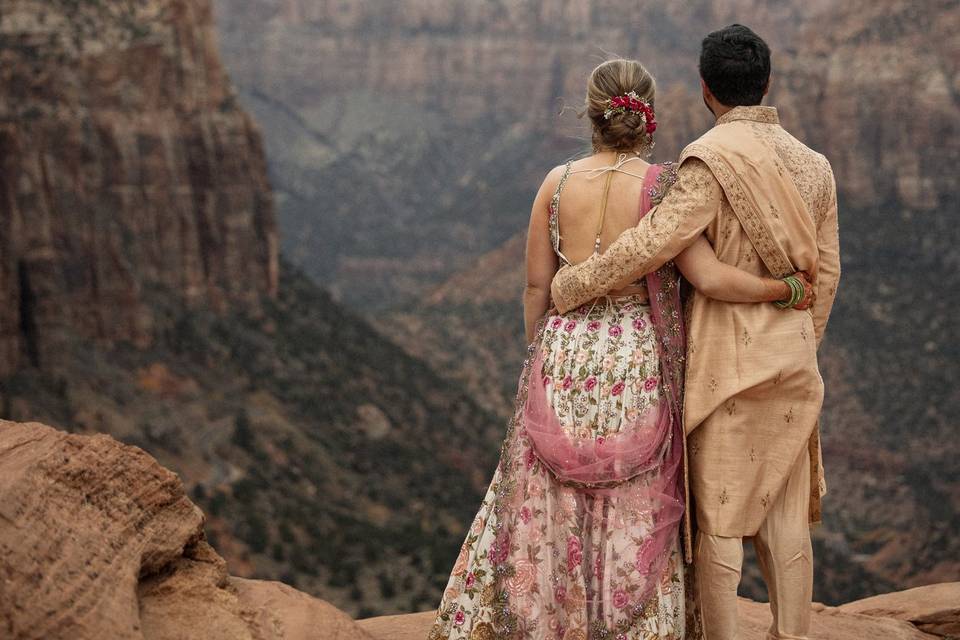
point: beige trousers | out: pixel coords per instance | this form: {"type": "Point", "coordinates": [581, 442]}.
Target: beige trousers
{"type": "Point", "coordinates": [786, 560]}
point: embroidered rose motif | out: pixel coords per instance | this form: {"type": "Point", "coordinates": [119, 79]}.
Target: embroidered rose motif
{"type": "Point", "coordinates": [525, 572]}
{"type": "Point", "coordinates": [567, 382]}
{"type": "Point", "coordinates": [461, 564]}
{"type": "Point", "coordinates": [525, 514]}
{"type": "Point", "coordinates": [616, 331]}
{"type": "Point", "coordinates": [559, 593]}
{"type": "Point", "coordinates": [590, 383]}
{"type": "Point", "coordinates": [643, 563]}
{"type": "Point", "coordinates": [535, 489]}
{"type": "Point", "coordinates": [483, 631]}
{"type": "Point", "coordinates": [582, 357]}
{"type": "Point", "coordinates": [459, 618]}
{"type": "Point", "coordinates": [651, 383]}
{"type": "Point", "coordinates": [576, 598]}
{"type": "Point", "coordinates": [617, 388]}
{"type": "Point", "coordinates": [547, 381]}
{"type": "Point", "coordinates": [500, 548]}
{"type": "Point", "coordinates": [608, 363]}
{"type": "Point", "coordinates": [556, 323]}
{"type": "Point", "coordinates": [593, 325]}
{"type": "Point", "coordinates": [570, 326]}
{"type": "Point", "coordinates": [639, 324]}
{"type": "Point", "coordinates": [574, 553]}
{"type": "Point", "coordinates": [488, 595]}
{"type": "Point", "coordinates": [478, 524]}
{"type": "Point", "coordinates": [620, 598]}
{"type": "Point", "coordinates": [471, 580]}
{"type": "Point", "coordinates": [451, 593]}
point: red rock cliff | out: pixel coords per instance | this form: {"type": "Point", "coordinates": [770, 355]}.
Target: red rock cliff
{"type": "Point", "coordinates": [126, 170]}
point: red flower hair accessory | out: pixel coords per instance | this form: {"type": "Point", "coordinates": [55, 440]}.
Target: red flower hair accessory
{"type": "Point", "coordinates": [632, 103]}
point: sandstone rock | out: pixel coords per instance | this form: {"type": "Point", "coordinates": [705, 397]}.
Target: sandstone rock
{"type": "Point", "coordinates": [97, 540]}
{"type": "Point", "coordinates": [829, 623]}
{"type": "Point", "coordinates": [934, 609]}
{"type": "Point", "coordinates": [278, 611]}
{"type": "Point", "coordinates": [81, 520]}
{"type": "Point", "coordinates": [412, 626]}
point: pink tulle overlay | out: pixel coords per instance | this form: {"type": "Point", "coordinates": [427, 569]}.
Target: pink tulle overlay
{"type": "Point", "coordinates": [593, 462]}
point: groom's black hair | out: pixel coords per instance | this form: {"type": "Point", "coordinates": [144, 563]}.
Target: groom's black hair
{"type": "Point", "coordinates": [735, 65]}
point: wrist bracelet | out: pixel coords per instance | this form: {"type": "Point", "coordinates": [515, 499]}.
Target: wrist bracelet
{"type": "Point", "coordinates": [796, 293]}
{"type": "Point", "coordinates": [783, 304]}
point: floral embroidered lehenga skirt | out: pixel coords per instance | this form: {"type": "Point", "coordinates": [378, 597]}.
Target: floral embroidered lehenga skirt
{"type": "Point", "coordinates": [577, 537]}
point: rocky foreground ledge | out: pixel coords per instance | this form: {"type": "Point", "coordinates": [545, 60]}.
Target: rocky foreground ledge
{"type": "Point", "coordinates": [98, 541]}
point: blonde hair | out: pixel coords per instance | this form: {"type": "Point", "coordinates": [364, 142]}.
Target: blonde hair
{"type": "Point", "coordinates": [622, 131]}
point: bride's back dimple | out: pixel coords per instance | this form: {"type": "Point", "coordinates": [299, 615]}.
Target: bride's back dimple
{"type": "Point", "coordinates": [581, 201]}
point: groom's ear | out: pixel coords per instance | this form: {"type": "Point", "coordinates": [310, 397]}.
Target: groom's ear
{"type": "Point", "coordinates": [766, 89]}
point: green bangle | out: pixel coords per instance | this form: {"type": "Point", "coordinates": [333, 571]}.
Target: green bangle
{"type": "Point", "coordinates": [796, 293]}
{"type": "Point", "coordinates": [783, 304]}
{"type": "Point", "coordinates": [800, 292]}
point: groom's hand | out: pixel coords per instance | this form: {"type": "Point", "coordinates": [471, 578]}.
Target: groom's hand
{"type": "Point", "coordinates": [809, 294]}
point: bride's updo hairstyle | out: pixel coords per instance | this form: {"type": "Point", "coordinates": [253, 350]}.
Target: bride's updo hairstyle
{"type": "Point", "coordinates": [624, 130]}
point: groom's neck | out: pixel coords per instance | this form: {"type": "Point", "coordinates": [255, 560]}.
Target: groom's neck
{"type": "Point", "coordinates": [719, 109]}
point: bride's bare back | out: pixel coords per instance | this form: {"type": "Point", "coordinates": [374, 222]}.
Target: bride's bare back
{"type": "Point", "coordinates": [580, 205]}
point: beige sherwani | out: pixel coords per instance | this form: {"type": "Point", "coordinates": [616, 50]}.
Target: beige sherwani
{"type": "Point", "coordinates": [753, 392]}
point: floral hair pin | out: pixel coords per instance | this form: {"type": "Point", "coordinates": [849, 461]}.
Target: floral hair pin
{"type": "Point", "coordinates": [632, 103]}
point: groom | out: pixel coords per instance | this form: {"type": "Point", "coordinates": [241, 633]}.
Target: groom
{"type": "Point", "coordinates": [753, 390]}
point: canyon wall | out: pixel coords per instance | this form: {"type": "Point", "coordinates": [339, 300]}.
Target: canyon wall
{"type": "Point", "coordinates": [408, 138]}
{"type": "Point", "coordinates": [128, 169]}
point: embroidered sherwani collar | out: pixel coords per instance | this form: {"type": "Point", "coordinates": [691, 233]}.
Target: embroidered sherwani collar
{"type": "Point", "coordinates": [766, 115]}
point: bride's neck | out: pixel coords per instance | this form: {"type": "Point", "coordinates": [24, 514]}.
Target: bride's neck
{"type": "Point", "coordinates": [614, 154]}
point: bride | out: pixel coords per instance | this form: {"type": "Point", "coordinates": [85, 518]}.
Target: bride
{"type": "Point", "coordinates": [578, 536]}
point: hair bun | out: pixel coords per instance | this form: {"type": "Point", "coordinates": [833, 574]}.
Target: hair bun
{"type": "Point", "coordinates": [620, 106]}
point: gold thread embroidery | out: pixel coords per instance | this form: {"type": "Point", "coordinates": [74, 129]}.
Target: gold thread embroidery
{"type": "Point", "coordinates": [750, 219]}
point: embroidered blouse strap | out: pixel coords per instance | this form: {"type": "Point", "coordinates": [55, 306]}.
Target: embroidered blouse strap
{"type": "Point", "coordinates": [554, 219]}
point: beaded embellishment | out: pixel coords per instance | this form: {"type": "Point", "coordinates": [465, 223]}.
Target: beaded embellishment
{"type": "Point", "coordinates": [553, 220]}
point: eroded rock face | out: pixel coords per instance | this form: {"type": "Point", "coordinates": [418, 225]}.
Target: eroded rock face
{"type": "Point", "coordinates": [126, 168]}
{"type": "Point", "coordinates": [933, 609]}
{"type": "Point", "coordinates": [82, 519]}
{"type": "Point", "coordinates": [97, 540]}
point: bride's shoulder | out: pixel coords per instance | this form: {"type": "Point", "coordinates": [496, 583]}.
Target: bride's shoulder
{"type": "Point", "coordinates": [554, 176]}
